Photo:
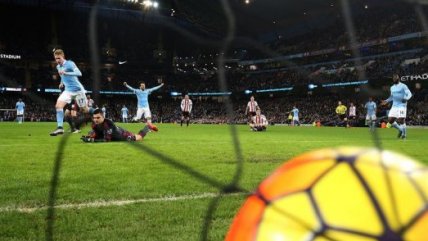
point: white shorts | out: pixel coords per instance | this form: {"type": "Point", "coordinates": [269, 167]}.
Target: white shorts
{"type": "Point", "coordinates": [143, 111]}
{"type": "Point", "coordinates": [125, 116]}
{"type": "Point", "coordinates": [370, 117]}
{"type": "Point", "coordinates": [398, 112]}
{"type": "Point", "coordinates": [19, 112]}
{"type": "Point", "coordinates": [79, 96]}
{"type": "Point", "coordinates": [295, 118]}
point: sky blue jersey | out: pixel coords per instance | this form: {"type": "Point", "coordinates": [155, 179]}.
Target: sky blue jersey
{"type": "Point", "coordinates": [400, 94]}
{"type": "Point", "coordinates": [143, 95]}
{"type": "Point", "coordinates": [124, 111]}
{"type": "Point", "coordinates": [20, 106]}
{"type": "Point", "coordinates": [295, 112]}
{"type": "Point", "coordinates": [371, 108]}
{"type": "Point", "coordinates": [70, 78]}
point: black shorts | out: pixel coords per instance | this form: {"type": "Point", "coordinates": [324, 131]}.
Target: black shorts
{"type": "Point", "coordinates": [185, 114]}
{"type": "Point", "coordinates": [251, 114]}
{"type": "Point", "coordinates": [71, 106]}
{"type": "Point", "coordinates": [260, 128]}
{"type": "Point", "coordinates": [342, 116]}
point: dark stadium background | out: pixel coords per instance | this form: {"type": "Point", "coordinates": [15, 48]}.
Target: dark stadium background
{"type": "Point", "coordinates": [180, 43]}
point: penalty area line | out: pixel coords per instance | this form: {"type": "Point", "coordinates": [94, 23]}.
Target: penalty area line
{"type": "Point", "coordinates": [112, 203]}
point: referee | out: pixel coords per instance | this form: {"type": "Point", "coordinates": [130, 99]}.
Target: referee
{"type": "Point", "coordinates": [341, 113]}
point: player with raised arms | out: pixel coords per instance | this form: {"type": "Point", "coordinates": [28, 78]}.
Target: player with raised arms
{"type": "Point", "coordinates": [143, 107]}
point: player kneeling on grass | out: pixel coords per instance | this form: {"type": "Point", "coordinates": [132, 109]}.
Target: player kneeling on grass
{"type": "Point", "coordinates": [258, 122]}
{"type": "Point", "coordinates": [105, 130]}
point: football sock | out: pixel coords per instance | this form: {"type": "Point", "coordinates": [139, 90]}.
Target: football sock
{"type": "Point", "coordinates": [69, 121]}
{"type": "Point", "coordinates": [397, 126]}
{"type": "Point", "coordinates": [59, 117]}
{"type": "Point", "coordinates": [144, 131]}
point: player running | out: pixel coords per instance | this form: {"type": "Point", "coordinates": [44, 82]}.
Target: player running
{"type": "Point", "coordinates": [73, 89]}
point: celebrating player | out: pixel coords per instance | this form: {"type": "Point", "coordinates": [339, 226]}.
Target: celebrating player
{"type": "Point", "coordinates": [143, 103]}
{"type": "Point", "coordinates": [73, 89]}
{"type": "Point", "coordinates": [186, 108]}
{"type": "Point", "coordinates": [105, 130]}
{"type": "Point", "coordinates": [400, 94]}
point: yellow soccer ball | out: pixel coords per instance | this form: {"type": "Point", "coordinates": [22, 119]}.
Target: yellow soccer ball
{"type": "Point", "coordinates": [338, 194]}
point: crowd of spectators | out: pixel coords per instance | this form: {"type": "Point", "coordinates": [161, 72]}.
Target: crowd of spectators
{"type": "Point", "coordinates": [37, 69]}
{"type": "Point", "coordinates": [313, 108]}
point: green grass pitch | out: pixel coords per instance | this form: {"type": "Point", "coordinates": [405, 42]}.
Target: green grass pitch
{"type": "Point", "coordinates": [158, 189]}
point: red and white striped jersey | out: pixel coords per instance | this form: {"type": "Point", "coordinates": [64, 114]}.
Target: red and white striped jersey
{"type": "Point", "coordinates": [186, 105]}
{"type": "Point", "coordinates": [260, 120]}
{"type": "Point", "coordinates": [252, 106]}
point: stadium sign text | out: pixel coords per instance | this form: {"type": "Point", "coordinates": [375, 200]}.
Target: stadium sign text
{"type": "Point", "coordinates": [10, 56]}
{"type": "Point", "coordinates": [415, 77]}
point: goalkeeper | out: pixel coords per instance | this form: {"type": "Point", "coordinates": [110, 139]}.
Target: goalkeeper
{"type": "Point", "coordinates": [105, 130]}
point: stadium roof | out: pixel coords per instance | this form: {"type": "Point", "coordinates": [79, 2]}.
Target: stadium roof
{"type": "Point", "coordinates": [253, 18]}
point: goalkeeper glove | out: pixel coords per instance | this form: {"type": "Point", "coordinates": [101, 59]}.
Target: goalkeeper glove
{"type": "Point", "coordinates": [87, 139]}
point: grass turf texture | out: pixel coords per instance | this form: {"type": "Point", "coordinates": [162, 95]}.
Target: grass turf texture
{"type": "Point", "coordinates": [195, 160]}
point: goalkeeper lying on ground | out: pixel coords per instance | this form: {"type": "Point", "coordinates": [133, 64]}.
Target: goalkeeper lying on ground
{"type": "Point", "coordinates": [104, 130]}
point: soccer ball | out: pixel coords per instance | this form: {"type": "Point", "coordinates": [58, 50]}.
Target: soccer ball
{"type": "Point", "coordinates": [342, 194]}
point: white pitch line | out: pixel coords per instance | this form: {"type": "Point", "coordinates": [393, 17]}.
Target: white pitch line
{"type": "Point", "coordinates": [104, 203]}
